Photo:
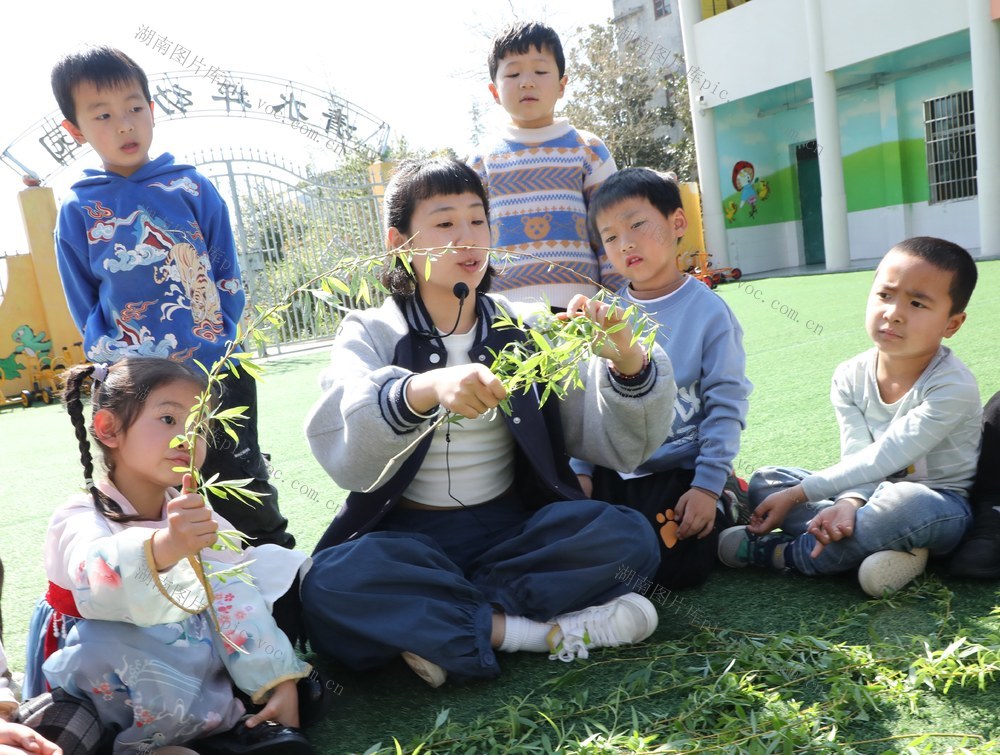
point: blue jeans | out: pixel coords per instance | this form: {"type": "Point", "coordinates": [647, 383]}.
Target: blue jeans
{"type": "Point", "coordinates": [900, 516]}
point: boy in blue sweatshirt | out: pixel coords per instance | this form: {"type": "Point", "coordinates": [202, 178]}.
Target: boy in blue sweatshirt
{"type": "Point", "coordinates": [148, 261]}
{"type": "Point", "coordinates": [638, 216]}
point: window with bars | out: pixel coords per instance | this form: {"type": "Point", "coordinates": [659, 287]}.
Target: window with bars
{"type": "Point", "coordinates": [661, 8]}
{"type": "Point", "coordinates": [950, 128]}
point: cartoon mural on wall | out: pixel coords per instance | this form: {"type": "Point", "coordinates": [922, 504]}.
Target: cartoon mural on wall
{"type": "Point", "coordinates": [32, 344]}
{"type": "Point", "coordinates": [750, 188]}
{"type": "Point", "coordinates": [38, 338]}
{"type": "Point", "coordinates": [9, 367]}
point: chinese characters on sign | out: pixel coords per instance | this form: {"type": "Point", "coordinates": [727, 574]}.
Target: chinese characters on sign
{"type": "Point", "coordinates": [199, 89]}
{"type": "Point", "coordinates": [291, 106]}
{"type": "Point", "coordinates": [58, 143]}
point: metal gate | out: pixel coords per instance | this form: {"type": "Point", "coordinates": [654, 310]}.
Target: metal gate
{"type": "Point", "coordinates": [291, 225]}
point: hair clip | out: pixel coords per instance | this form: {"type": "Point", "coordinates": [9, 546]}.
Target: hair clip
{"type": "Point", "coordinates": [100, 372]}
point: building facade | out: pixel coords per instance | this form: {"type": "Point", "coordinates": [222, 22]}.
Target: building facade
{"type": "Point", "coordinates": [828, 130]}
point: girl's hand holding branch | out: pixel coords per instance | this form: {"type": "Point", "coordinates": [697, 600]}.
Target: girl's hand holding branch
{"type": "Point", "coordinates": [190, 528]}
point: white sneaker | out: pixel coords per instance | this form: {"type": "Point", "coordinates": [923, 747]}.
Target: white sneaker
{"type": "Point", "coordinates": [885, 572]}
{"type": "Point", "coordinates": [627, 619]}
{"type": "Point", "coordinates": [431, 673]}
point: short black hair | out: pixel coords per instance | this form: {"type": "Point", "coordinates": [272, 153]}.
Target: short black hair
{"type": "Point", "coordinates": [412, 182]}
{"type": "Point", "coordinates": [662, 193]}
{"type": "Point", "coordinates": [103, 66]}
{"type": "Point", "coordinates": [949, 257]}
{"type": "Point", "coordinates": [519, 38]}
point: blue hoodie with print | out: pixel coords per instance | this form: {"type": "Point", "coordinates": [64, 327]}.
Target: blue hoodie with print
{"type": "Point", "coordinates": [149, 265]}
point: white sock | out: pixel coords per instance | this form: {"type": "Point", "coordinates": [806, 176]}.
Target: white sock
{"type": "Point", "coordinates": [524, 634]}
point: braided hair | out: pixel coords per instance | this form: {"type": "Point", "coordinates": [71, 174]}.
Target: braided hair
{"type": "Point", "coordinates": [122, 389]}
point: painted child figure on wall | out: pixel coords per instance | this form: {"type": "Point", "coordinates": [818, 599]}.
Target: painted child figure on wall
{"type": "Point", "coordinates": [743, 174]}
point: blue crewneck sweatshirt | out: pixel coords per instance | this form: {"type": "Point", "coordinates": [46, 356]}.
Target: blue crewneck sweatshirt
{"type": "Point", "coordinates": [705, 344]}
{"type": "Point", "coordinates": [148, 264]}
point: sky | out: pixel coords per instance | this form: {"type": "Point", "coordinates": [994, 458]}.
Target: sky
{"type": "Point", "coordinates": [417, 66]}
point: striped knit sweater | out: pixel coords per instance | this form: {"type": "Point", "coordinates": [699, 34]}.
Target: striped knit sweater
{"type": "Point", "coordinates": [540, 181]}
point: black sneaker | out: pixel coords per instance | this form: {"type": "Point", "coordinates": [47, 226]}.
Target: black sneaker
{"type": "Point", "coordinates": [978, 556]}
{"type": "Point", "coordinates": [736, 501]}
{"type": "Point", "coordinates": [738, 547]}
{"type": "Point", "coordinates": [316, 693]}
{"type": "Point", "coordinates": [267, 738]}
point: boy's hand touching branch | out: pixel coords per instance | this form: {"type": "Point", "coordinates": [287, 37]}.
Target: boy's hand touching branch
{"type": "Point", "coordinates": [628, 358]}
{"type": "Point", "coordinates": [190, 528]}
{"type": "Point", "coordinates": [834, 523]}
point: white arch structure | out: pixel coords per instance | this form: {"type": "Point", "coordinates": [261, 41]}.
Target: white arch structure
{"type": "Point", "coordinates": [325, 118]}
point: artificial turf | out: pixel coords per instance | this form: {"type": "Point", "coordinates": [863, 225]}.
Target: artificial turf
{"type": "Point", "coordinates": [796, 331]}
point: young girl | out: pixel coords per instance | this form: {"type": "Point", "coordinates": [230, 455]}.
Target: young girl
{"type": "Point", "coordinates": [476, 539]}
{"type": "Point", "coordinates": [154, 665]}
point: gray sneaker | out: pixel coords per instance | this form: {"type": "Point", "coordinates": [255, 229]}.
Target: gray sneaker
{"type": "Point", "coordinates": [738, 547]}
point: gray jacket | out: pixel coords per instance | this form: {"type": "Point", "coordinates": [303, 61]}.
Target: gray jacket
{"type": "Point", "coordinates": [361, 421]}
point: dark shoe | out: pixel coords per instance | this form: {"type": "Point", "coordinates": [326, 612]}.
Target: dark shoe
{"type": "Point", "coordinates": [739, 547]}
{"type": "Point", "coordinates": [736, 501]}
{"type": "Point", "coordinates": [316, 693]}
{"type": "Point", "coordinates": [978, 556]}
{"type": "Point", "coordinates": [268, 738]}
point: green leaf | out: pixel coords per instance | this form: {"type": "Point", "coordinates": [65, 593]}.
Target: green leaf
{"type": "Point", "coordinates": [323, 296]}
{"type": "Point", "coordinates": [234, 412]}
{"type": "Point", "coordinates": [338, 284]}
{"type": "Point", "coordinates": [442, 717]}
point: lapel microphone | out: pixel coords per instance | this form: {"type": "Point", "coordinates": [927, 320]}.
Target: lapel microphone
{"type": "Point", "coordinates": [461, 291]}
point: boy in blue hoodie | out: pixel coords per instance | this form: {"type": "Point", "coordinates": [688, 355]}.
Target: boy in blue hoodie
{"type": "Point", "coordinates": [684, 488]}
{"type": "Point", "coordinates": [148, 261]}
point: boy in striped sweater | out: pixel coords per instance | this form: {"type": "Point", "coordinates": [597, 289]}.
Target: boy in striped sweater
{"type": "Point", "coordinates": [909, 415]}
{"type": "Point", "coordinates": [540, 175]}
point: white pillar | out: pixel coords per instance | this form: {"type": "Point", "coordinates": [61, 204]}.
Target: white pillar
{"type": "Point", "coordinates": [703, 126]}
{"type": "Point", "coordinates": [831, 165]}
{"type": "Point", "coordinates": [984, 51]}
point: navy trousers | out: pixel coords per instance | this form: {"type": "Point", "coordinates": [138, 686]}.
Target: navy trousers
{"type": "Point", "coordinates": [243, 459]}
{"type": "Point", "coordinates": [430, 581]}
